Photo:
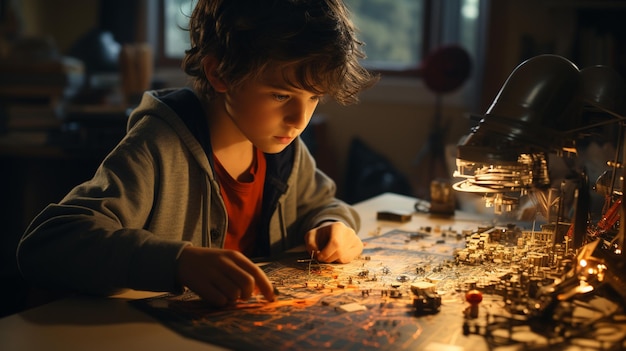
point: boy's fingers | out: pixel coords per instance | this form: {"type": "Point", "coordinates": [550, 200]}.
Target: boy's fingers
{"type": "Point", "coordinates": [311, 243]}
{"type": "Point", "coordinates": [260, 279]}
{"type": "Point", "coordinates": [243, 286]}
{"type": "Point", "coordinates": [263, 283]}
{"type": "Point", "coordinates": [212, 294]}
{"type": "Point", "coordinates": [266, 288]}
{"type": "Point", "coordinates": [327, 255]}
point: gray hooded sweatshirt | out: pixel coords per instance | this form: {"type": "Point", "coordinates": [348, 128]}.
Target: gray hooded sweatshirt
{"type": "Point", "coordinates": [155, 193]}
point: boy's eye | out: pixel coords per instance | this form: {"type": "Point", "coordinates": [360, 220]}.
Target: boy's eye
{"type": "Point", "coordinates": [280, 97]}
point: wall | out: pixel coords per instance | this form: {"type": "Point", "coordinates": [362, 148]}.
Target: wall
{"type": "Point", "coordinates": [63, 20]}
{"type": "Point", "coordinates": [394, 118]}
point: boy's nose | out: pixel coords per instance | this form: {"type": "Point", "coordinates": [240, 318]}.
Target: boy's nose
{"type": "Point", "coordinates": [298, 115]}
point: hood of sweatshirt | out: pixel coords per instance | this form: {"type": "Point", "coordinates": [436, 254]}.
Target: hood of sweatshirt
{"type": "Point", "coordinates": [159, 103]}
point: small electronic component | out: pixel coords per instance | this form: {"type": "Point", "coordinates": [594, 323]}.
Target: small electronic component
{"type": "Point", "coordinates": [426, 300]}
{"type": "Point", "coordinates": [394, 216]}
{"type": "Point", "coordinates": [352, 307]}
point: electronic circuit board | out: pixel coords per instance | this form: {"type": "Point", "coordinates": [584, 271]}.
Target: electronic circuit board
{"type": "Point", "coordinates": [369, 304]}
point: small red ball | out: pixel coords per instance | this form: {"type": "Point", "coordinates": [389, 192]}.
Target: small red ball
{"type": "Point", "coordinates": [474, 297]}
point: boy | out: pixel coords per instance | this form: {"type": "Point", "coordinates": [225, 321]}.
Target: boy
{"type": "Point", "coordinates": [205, 180]}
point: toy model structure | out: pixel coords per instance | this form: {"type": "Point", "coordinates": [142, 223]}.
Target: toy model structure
{"type": "Point", "coordinates": [539, 114]}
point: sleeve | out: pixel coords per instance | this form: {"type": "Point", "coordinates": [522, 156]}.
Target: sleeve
{"type": "Point", "coordinates": [316, 198]}
{"type": "Point", "coordinates": [92, 240]}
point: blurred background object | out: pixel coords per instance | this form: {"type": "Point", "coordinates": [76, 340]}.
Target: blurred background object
{"type": "Point", "coordinates": [444, 70]}
{"type": "Point", "coordinates": [136, 69]}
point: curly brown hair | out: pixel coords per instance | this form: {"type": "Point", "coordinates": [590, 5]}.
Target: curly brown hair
{"type": "Point", "coordinates": [317, 36]}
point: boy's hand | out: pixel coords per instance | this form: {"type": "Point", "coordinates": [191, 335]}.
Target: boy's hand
{"type": "Point", "coordinates": [220, 276]}
{"type": "Point", "coordinates": [333, 242]}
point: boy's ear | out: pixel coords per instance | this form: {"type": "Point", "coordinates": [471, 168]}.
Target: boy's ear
{"type": "Point", "coordinates": [210, 63]}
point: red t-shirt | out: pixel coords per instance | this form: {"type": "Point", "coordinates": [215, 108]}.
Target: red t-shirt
{"type": "Point", "coordinates": [243, 202]}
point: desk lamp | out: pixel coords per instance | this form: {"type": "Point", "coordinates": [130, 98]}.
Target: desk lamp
{"type": "Point", "coordinates": [506, 155]}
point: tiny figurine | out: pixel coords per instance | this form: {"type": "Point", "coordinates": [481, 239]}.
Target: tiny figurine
{"type": "Point", "coordinates": [474, 297]}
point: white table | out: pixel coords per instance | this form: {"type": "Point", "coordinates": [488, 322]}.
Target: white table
{"type": "Point", "coordinates": [90, 323]}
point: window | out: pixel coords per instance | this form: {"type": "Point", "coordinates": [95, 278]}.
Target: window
{"type": "Point", "coordinates": [175, 17]}
{"type": "Point", "coordinates": [392, 30]}
{"type": "Point", "coordinates": [397, 33]}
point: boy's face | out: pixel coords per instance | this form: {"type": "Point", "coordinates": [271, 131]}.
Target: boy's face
{"type": "Point", "coordinates": [269, 111]}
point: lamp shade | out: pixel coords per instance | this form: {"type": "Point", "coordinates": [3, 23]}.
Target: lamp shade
{"type": "Point", "coordinates": [604, 89]}
{"type": "Point", "coordinates": [540, 100]}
